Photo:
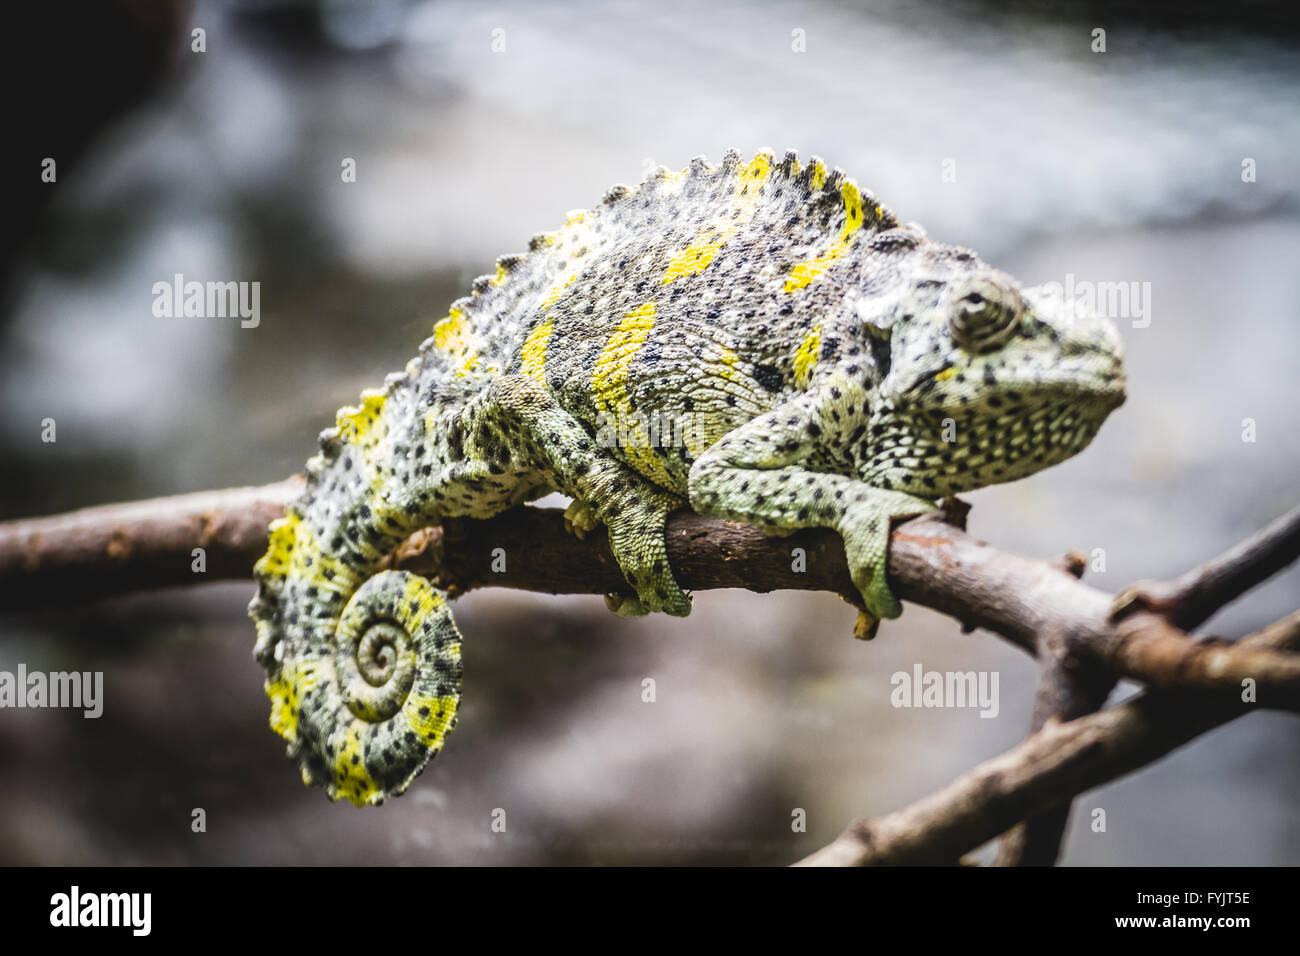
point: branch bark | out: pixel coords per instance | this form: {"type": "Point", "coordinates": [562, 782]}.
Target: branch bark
{"type": "Point", "coordinates": [1085, 639]}
{"type": "Point", "coordinates": [113, 549]}
{"type": "Point", "coordinates": [1189, 600]}
{"type": "Point", "coordinates": [1068, 688]}
{"type": "Point", "coordinates": [1058, 762]}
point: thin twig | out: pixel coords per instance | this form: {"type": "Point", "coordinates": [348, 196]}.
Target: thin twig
{"type": "Point", "coordinates": [1190, 599]}
{"type": "Point", "coordinates": [1051, 766]}
{"type": "Point", "coordinates": [1068, 688]}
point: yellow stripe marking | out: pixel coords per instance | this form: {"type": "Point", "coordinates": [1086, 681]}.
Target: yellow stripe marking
{"type": "Point", "coordinates": [363, 427]}
{"type": "Point", "coordinates": [455, 336]}
{"type": "Point", "coordinates": [811, 269]}
{"type": "Point", "coordinates": [292, 546]}
{"type": "Point", "coordinates": [805, 358]}
{"type": "Point", "coordinates": [357, 424]}
{"type": "Point", "coordinates": [441, 711]}
{"type": "Point", "coordinates": [350, 778]}
{"type": "Point", "coordinates": [427, 600]}
{"type": "Point", "coordinates": [818, 174]}
{"type": "Point", "coordinates": [294, 683]}
{"type": "Point", "coordinates": [704, 248]}
{"type": "Point", "coordinates": [729, 360]}
{"type": "Point", "coordinates": [609, 389]}
{"type": "Point", "coordinates": [532, 357]}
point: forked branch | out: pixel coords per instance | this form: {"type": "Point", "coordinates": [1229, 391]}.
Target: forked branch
{"type": "Point", "coordinates": [1085, 638]}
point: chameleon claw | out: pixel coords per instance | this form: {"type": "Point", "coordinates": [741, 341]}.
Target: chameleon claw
{"type": "Point", "coordinates": [1155, 596]}
{"type": "Point", "coordinates": [580, 518]}
{"type": "Point", "coordinates": [625, 606]}
{"type": "Point", "coordinates": [866, 626]}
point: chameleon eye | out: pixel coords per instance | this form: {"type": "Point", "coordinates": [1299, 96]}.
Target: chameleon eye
{"type": "Point", "coordinates": [984, 315]}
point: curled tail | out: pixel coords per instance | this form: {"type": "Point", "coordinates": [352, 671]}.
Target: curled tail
{"type": "Point", "coordinates": [363, 664]}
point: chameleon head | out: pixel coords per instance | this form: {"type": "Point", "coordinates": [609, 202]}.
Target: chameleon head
{"type": "Point", "coordinates": [988, 383]}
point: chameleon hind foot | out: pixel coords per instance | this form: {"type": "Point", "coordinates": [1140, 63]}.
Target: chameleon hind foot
{"type": "Point", "coordinates": [866, 626]}
{"type": "Point", "coordinates": [604, 491]}
{"type": "Point", "coordinates": [636, 562]}
{"type": "Point", "coordinates": [637, 526]}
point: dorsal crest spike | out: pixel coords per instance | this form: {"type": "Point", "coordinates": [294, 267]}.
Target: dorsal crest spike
{"type": "Point", "coordinates": [331, 442]}
{"type": "Point", "coordinates": [894, 239]}
{"type": "Point", "coordinates": [815, 173]}
{"type": "Point", "coordinates": [615, 193]}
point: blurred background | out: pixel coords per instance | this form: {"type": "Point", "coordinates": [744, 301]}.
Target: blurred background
{"type": "Point", "coordinates": [473, 126]}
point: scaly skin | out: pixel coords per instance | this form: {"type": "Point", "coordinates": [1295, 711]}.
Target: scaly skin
{"type": "Point", "coordinates": [762, 341]}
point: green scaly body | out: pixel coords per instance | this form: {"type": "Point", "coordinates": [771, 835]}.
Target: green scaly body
{"type": "Point", "coordinates": [762, 341]}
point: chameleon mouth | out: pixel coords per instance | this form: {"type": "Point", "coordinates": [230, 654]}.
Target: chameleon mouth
{"type": "Point", "coordinates": [1102, 393]}
{"type": "Point", "coordinates": [1088, 378]}
{"type": "Point", "coordinates": [1090, 382]}
{"type": "Point", "coordinates": [989, 436]}
{"type": "Point", "coordinates": [1089, 375]}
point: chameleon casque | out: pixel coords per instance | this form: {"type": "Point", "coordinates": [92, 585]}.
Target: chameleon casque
{"type": "Point", "coordinates": [760, 340]}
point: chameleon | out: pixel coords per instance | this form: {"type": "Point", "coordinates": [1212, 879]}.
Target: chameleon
{"type": "Point", "coordinates": [759, 340]}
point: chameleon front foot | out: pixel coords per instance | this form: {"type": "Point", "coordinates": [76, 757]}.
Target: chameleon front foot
{"type": "Point", "coordinates": [865, 529]}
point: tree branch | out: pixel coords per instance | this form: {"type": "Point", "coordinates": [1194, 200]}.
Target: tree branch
{"type": "Point", "coordinates": [1085, 639]}
{"type": "Point", "coordinates": [1058, 762]}
{"type": "Point", "coordinates": [1068, 688]}
{"type": "Point", "coordinates": [1189, 600]}
{"type": "Point", "coordinates": [115, 549]}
